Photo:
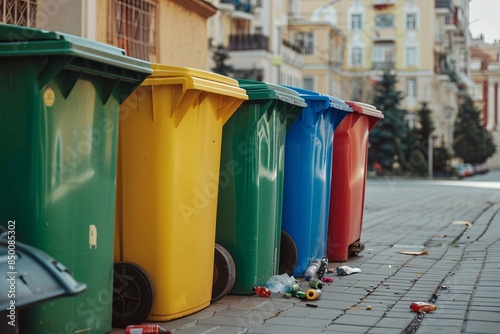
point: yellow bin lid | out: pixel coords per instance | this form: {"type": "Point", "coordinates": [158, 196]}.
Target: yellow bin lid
{"type": "Point", "coordinates": [192, 78]}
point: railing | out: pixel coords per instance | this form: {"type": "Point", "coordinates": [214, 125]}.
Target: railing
{"type": "Point", "coordinates": [446, 4]}
{"type": "Point", "coordinates": [242, 6]}
{"type": "Point", "coordinates": [383, 2]}
{"type": "Point", "coordinates": [383, 65]}
{"type": "Point", "coordinates": [248, 42]}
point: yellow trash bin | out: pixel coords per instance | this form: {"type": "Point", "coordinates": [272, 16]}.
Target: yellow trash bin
{"type": "Point", "coordinates": [167, 187]}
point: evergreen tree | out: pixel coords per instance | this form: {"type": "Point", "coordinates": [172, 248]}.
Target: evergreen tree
{"type": "Point", "coordinates": [471, 141]}
{"type": "Point", "coordinates": [388, 137]}
{"type": "Point", "coordinates": [220, 56]}
{"type": "Point", "coordinates": [418, 141]}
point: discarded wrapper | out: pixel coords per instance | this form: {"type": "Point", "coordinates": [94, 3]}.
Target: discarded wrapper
{"type": "Point", "coordinates": [415, 253]}
{"type": "Point", "coordinates": [346, 270]}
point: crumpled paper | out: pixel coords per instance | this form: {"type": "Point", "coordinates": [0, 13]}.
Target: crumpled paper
{"type": "Point", "coordinates": [346, 270]}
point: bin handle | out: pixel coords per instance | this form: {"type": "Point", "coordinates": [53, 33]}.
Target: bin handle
{"type": "Point", "coordinates": [354, 119]}
{"type": "Point", "coordinates": [188, 91]}
{"type": "Point", "coordinates": [372, 121]}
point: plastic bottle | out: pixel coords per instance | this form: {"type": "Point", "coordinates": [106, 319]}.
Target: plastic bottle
{"type": "Point", "coordinates": [145, 329]}
{"type": "Point", "coordinates": [313, 294]}
{"type": "Point", "coordinates": [262, 291]}
{"type": "Point", "coordinates": [422, 307]}
{"type": "Point", "coordinates": [295, 289]}
{"type": "Point", "coordinates": [323, 267]}
{"type": "Point", "coordinates": [312, 269]}
{"type": "Point", "coordinates": [280, 283]}
{"type": "Point", "coordinates": [301, 295]}
{"type": "Point", "coordinates": [315, 283]}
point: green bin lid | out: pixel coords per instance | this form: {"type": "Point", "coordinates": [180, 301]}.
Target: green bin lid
{"type": "Point", "coordinates": [258, 90]}
{"type": "Point", "coordinates": [17, 41]}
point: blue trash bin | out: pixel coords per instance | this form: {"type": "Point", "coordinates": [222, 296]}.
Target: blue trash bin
{"type": "Point", "coordinates": [308, 166]}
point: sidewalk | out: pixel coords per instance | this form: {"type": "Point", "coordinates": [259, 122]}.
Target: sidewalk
{"type": "Point", "coordinates": [462, 269]}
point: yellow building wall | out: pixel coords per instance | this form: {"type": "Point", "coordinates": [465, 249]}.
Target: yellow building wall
{"type": "Point", "coordinates": [182, 37]}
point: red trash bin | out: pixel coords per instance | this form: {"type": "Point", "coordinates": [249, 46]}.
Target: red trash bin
{"type": "Point", "coordinates": [349, 166]}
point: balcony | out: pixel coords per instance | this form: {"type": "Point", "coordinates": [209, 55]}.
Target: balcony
{"type": "Point", "coordinates": [292, 53]}
{"type": "Point", "coordinates": [383, 4]}
{"type": "Point", "coordinates": [383, 65]}
{"type": "Point", "coordinates": [248, 42]}
{"type": "Point", "coordinates": [241, 6]}
{"type": "Point", "coordinates": [445, 6]}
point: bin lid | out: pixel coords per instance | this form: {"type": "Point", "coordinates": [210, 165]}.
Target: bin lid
{"type": "Point", "coordinates": [21, 41]}
{"type": "Point", "coordinates": [365, 108]}
{"type": "Point", "coordinates": [258, 90]}
{"type": "Point", "coordinates": [195, 79]}
{"type": "Point", "coordinates": [332, 102]}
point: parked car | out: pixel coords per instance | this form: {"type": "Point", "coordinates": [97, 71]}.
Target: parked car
{"type": "Point", "coordinates": [481, 168]}
{"type": "Point", "coordinates": [464, 170]}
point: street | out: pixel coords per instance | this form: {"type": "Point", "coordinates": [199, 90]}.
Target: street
{"type": "Point", "coordinates": [457, 226]}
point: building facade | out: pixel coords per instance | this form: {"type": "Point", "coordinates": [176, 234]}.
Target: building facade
{"type": "Point", "coordinates": [257, 35]}
{"type": "Point", "coordinates": [485, 72]}
{"type": "Point", "coordinates": [133, 25]}
{"type": "Point", "coordinates": [423, 42]}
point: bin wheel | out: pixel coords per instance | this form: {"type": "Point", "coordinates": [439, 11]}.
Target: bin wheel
{"type": "Point", "coordinates": [288, 254]}
{"type": "Point", "coordinates": [133, 295]}
{"type": "Point", "coordinates": [224, 273]}
{"type": "Point", "coordinates": [356, 248]}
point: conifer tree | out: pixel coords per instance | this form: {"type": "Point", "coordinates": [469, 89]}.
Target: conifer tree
{"type": "Point", "coordinates": [220, 56]}
{"type": "Point", "coordinates": [388, 137]}
{"type": "Point", "coordinates": [471, 141]}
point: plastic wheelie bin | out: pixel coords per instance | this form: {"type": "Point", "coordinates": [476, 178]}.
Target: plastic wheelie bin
{"type": "Point", "coordinates": [168, 179]}
{"type": "Point", "coordinates": [60, 107]}
{"type": "Point", "coordinates": [308, 169]}
{"type": "Point", "coordinates": [350, 155]}
{"type": "Point", "coordinates": [251, 183]}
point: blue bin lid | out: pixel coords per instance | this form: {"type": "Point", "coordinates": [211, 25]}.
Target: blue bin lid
{"type": "Point", "coordinates": [332, 102]}
{"type": "Point", "coordinates": [259, 90]}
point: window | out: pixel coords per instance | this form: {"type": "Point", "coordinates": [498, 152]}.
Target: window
{"type": "Point", "coordinates": [308, 83]}
{"type": "Point", "coordinates": [411, 88]}
{"type": "Point", "coordinates": [356, 22]}
{"type": "Point", "coordinates": [18, 12]}
{"type": "Point", "coordinates": [411, 56]}
{"type": "Point", "coordinates": [478, 92]}
{"type": "Point", "coordinates": [383, 52]}
{"type": "Point", "coordinates": [475, 64]}
{"type": "Point", "coordinates": [411, 21]}
{"type": "Point", "coordinates": [133, 27]}
{"type": "Point", "coordinates": [305, 40]}
{"type": "Point", "coordinates": [356, 56]}
{"type": "Point", "coordinates": [384, 21]}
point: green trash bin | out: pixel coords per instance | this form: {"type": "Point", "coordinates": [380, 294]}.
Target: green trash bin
{"type": "Point", "coordinates": [251, 182]}
{"type": "Point", "coordinates": [59, 119]}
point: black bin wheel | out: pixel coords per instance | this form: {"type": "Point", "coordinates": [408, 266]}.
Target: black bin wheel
{"type": "Point", "coordinates": [224, 273]}
{"type": "Point", "coordinates": [288, 254]}
{"type": "Point", "coordinates": [133, 295]}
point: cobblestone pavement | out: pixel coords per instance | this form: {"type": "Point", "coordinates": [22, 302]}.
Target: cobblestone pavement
{"type": "Point", "coordinates": [456, 222]}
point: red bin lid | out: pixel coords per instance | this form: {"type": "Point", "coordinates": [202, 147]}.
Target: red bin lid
{"type": "Point", "coordinates": [365, 108]}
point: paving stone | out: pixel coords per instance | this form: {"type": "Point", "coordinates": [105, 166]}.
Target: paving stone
{"type": "Point", "coordinates": [281, 320]}
{"type": "Point", "coordinates": [232, 321]}
{"type": "Point", "coordinates": [389, 322]}
{"type": "Point", "coordinates": [273, 329]}
{"type": "Point", "coordinates": [484, 316]}
{"type": "Point", "coordinates": [358, 320]}
{"type": "Point", "coordinates": [482, 327]}
{"type": "Point", "coordinates": [384, 330]}
{"type": "Point", "coordinates": [203, 329]}
{"type": "Point", "coordinates": [340, 329]}
{"type": "Point", "coordinates": [430, 321]}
